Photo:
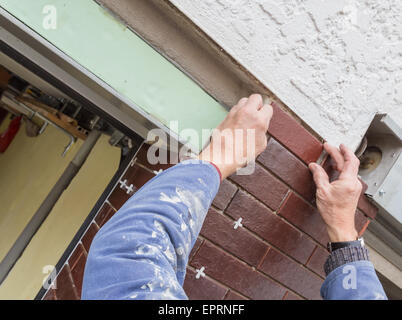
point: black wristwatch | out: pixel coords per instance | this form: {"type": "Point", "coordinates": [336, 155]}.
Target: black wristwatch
{"type": "Point", "coordinates": [332, 246]}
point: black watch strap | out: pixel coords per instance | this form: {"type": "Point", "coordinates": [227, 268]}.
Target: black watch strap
{"type": "Point", "coordinates": [332, 246]}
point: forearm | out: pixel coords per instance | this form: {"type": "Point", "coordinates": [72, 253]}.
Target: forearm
{"type": "Point", "coordinates": [142, 252]}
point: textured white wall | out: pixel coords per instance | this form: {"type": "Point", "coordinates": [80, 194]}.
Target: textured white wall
{"type": "Point", "coordinates": [333, 62]}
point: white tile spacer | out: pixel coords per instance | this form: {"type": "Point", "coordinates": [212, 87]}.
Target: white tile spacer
{"type": "Point", "coordinates": [130, 188]}
{"type": "Point", "coordinates": [123, 185]}
{"type": "Point", "coordinates": [238, 223]}
{"type": "Point", "coordinates": [200, 272]}
{"type": "Point", "coordinates": [158, 172]}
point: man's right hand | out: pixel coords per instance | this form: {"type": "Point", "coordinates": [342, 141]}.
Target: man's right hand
{"type": "Point", "coordinates": [337, 201]}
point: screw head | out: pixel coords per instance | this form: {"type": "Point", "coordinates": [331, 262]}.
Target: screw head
{"type": "Point", "coordinates": [381, 192]}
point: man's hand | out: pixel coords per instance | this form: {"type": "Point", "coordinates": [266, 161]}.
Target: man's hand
{"type": "Point", "coordinates": [337, 201]}
{"type": "Point", "coordinates": [241, 137]}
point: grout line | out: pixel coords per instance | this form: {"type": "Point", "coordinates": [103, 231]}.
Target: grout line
{"type": "Point", "coordinates": [221, 284]}
{"type": "Point", "coordinates": [262, 259]}
{"type": "Point", "coordinates": [253, 269]}
{"type": "Point", "coordinates": [309, 258]}
{"type": "Point", "coordinates": [285, 295]}
{"type": "Point", "coordinates": [273, 212]}
{"type": "Point", "coordinates": [198, 249]}
{"type": "Point", "coordinates": [264, 241]}
{"type": "Point", "coordinates": [284, 201]}
{"type": "Point", "coordinates": [285, 183]}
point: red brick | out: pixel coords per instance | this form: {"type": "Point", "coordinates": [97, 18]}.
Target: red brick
{"type": "Point", "coordinates": [220, 230]}
{"type": "Point", "coordinates": [50, 295]}
{"type": "Point", "coordinates": [305, 217]}
{"type": "Point", "coordinates": [225, 194]}
{"type": "Point", "coordinates": [119, 197]}
{"type": "Point", "coordinates": [202, 288]}
{"type": "Point", "coordinates": [263, 186]}
{"type": "Point", "coordinates": [317, 260]}
{"type": "Point", "coordinates": [367, 207]}
{"type": "Point", "coordinates": [89, 236]}
{"type": "Point", "coordinates": [294, 136]}
{"type": "Point", "coordinates": [65, 288]}
{"type": "Point", "coordinates": [235, 274]}
{"type": "Point", "coordinates": [76, 255]}
{"type": "Point", "coordinates": [360, 221]}
{"type": "Point", "coordinates": [136, 176]}
{"type": "Point", "coordinates": [104, 214]}
{"type": "Point", "coordinates": [231, 295]}
{"type": "Point", "coordinates": [196, 246]}
{"type": "Point", "coordinates": [141, 157]}
{"type": "Point", "coordinates": [291, 296]}
{"type": "Point", "coordinates": [270, 227]}
{"type": "Point", "coordinates": [289, 168]}
{"type": "Point", "coordinates": [291, 274]}
{"type": "Point", "coordinates": [77, 273]}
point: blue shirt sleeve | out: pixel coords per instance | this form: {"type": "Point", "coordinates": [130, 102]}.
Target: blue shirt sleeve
{"type": "Point", "coordinates": [142, 252]}
{"type": "Point", "coordinates": [353, 281]}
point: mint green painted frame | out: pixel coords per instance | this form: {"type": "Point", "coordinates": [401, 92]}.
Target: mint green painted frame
{"type": "Point", "coordinates": [117, 56]}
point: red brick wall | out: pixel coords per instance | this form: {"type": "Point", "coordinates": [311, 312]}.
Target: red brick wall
{"type": "Point", "coordinates": [277, 253]}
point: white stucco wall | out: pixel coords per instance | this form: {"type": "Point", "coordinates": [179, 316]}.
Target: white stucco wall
{"type": "Point", "coordinates": [333, 62]}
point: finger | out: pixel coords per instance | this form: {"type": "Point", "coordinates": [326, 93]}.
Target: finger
{"type": "Point", "coordinates": [266, 113]}
{"type": "Point", "coordinates": [320, 177]}
{"type": "Point", "coordinates": [351, 163]}
{"type": "Point", "coordinates": [254, 102]}
{"type": "Point", "coordinates": [242, 102]}
{"type": "Point", "coordinates": [336, 155]}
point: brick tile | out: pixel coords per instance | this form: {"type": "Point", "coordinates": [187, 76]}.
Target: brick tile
{"type": "Point", "coordinates": [135, 176]}
{"type": "Point", "coordinates": [294, 136]}
{"type": "Point", "coordinates": [76, 255]}
{"type": "Point", "coordinates": [289, 168]}
{"type": "Point", "coordinates": [220, 230]}
{"type": "Point", "coordinates": [360, 221]}
{"type": "Point", "coordinates": [202, 288]}
{"type": "Point", "coordinates": [231, 295]}
{"type": "Point", "coordinates": [138, 176]}
{"type": "Point", "coordinates": [50, 295]}
{"type": "Point", "coordinates": [291, 296]}
{"type": "Point", "coordinates": [263, 186]}
{"type": "Point", "coordinates": [196, 246]}
{"type": "Point", "coordinates": [118, 197]}
{"type": "Point", "coordinates": [270, 227]}
{"type": "Point", "coordinates": [305, 217]}
{"type": "Point", "coordinates": [367, 207]}
{"type": "Point", "coordinates": [291, 274]}
{"type": "Point", "coordinates": [317, 260]}
{"type": "Point", "coordinates": [77, 273]}
{"type": "Point", "coordinates": [65, 287]}
{"type": "Point", "coordinates": [141, 158]}
{"type": "Point", "coordinates": [89, 235]}
{"type": "Point", "coordinates": [225, 194]}
{"type": "Point", "coordinates": [233, 273]}
{"type": "Point", "coordinates": [104, 214]}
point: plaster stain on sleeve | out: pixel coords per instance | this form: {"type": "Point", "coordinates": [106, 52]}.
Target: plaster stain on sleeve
{"type": "Point", "coordinates": [173, 199]}
{"type": "Point", "coordinates": [183, 227]}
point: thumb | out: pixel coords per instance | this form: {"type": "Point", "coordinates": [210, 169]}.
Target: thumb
{"type": "Point", "coordinates": [320, 177]}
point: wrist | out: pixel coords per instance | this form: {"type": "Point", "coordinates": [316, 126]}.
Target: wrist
{"type": "Point", "coordinates": [224, 169]}
{"type": "Point", "coordinates": [342, 234]}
